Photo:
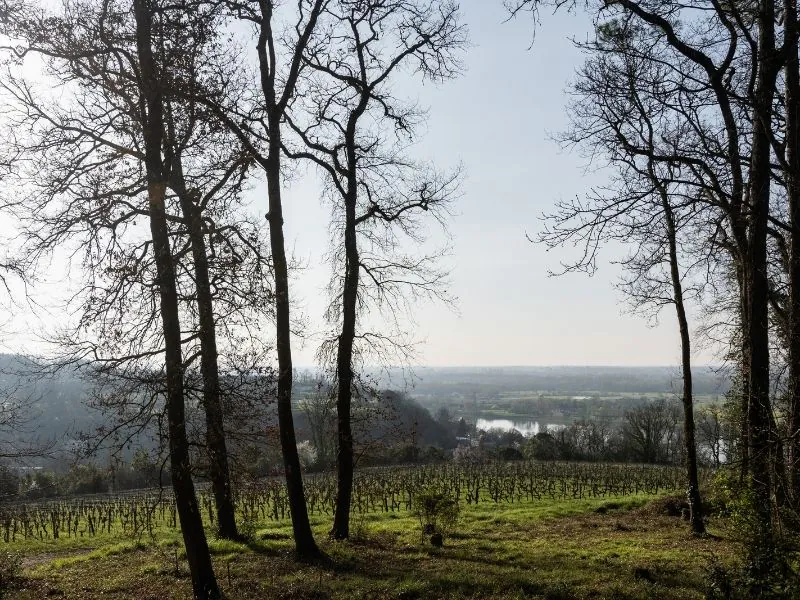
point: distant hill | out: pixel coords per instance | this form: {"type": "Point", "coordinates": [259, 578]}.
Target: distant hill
{"type": "Point", "coordinates": [57, 410]}
{"type": "Point", "coordinates": [54, 400]}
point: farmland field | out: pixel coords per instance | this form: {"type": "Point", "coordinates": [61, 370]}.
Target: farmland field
{"type": "Point", "coordinates": [551, 530]}
{"type": "Point", "coordinates": [384, 490]}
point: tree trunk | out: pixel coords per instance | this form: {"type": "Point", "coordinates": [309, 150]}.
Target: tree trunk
{"type": "Point", "coordinates": [758, 409]}
{"type": "Point", "coordinates": [344, 373]}
{"type": "Point", "coordinates": [695, 501]}
{"type": "Point", "coordinates": [305, 545]}
{"type": "Point", "coordinates": [344, 357]}
{"type": "Point", "coordinates": [792, 101]}
{"type": "Point", "coordinates": [219, 471]}
{"type": "Point", "coordinates": [204, 583]}
{"type": "Point", "coordinates": [744, 315]}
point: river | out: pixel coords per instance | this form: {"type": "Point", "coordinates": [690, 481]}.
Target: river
{"type": "Point", "coordinates": [526, 428]}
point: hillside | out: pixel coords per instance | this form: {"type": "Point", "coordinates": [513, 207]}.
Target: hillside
{"type": "Point", "coordinates": [56, 404]}
{"type": "Point", "coordinates": [598, 549]}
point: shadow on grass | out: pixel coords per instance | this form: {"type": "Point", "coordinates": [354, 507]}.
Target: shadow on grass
{"type": "Point", "coordinates": [425, 572]}
{"type": "Point", "coordinates": [259, 547]}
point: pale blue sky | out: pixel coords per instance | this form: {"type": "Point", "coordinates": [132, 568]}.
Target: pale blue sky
{"type": "Point", "coordinates": [496, 120]}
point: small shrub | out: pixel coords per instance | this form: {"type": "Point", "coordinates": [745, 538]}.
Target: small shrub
{"type": "Point", "coordinates": [247, 529]}
{"type": "Point", "coordinates": [721, 582]}
{"type": "Point", "coordinates": [509, 453]}
{"type": "Point", "coordinates": [671, 506]}
{"type": "Point", "coordinates": [437, 512]}
{"type": "Point", "coordinates": [358, 525]}
{"type": "Point", "coordinates": [768, 565]}
{"type": "Point", "coordinates": [10, 567]}
{"type": "Point", "coordinates": [726, 496]}
{"type": "Point", "coordinates": [308, 455]}
{"type": "Point", "coordinates": [469, 455]}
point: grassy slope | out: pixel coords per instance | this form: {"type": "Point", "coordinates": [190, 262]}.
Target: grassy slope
{"type": "Point", "coordinates": [529, 550]}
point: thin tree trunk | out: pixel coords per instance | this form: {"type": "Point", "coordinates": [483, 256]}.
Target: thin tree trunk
{"type": "Point", "coordinates": [204, 583]}
{"type": "Point", "coordinates": [305, 545]}
{"type": "Point", "coordinates": [695, 501]}
{"type": "Point", "coordinates": [344, 374]}
{"type": "Point", "coordinates": [219, 471]}
{"type": "Point", "coordinates": [792, 101]}
{"type": "Point", "coordinates": [344, 358]}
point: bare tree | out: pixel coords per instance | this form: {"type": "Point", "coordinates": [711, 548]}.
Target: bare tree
{"type": "Point", "coordinates": [719, 91]}
{"type": "Point", "coordinates": [618, 114]}
{"type": "Point", "coordinates": [375, 191]}
{"type": "Point", "coordinates": [650, 431]}
{"type": "Point", "coordinates": [320, 412]}
{"type": "Point", "coordinates": [711, 432]}
{"type": "Point", "coordinates": [258, 122]}
{"type": "Point", "coordinates": [204, 582]}
{"type": "Point", "coordinates": [120, 67]}
{"type": "Point", "coordinates": [197, 31]}
{"type": "Point", "coordinates": [228, 274]}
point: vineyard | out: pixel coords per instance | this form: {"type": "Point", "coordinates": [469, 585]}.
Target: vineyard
{"type": "Point", "coordinates": [376, 490]}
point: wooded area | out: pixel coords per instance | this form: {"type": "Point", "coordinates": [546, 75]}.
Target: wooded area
{"type": "Point", "coordinates": [134, 132]}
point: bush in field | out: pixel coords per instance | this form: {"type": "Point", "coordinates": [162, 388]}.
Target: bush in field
{"type": "Point", "coordinates": [9, 482]}
{"type": "Point", "coordinates": [10, 566]}
{"type": "Point", "coordinates": [437, 512]}
{"type": "Point", "coordinates": [542, 446]}
{"type": "Point", "coordinates": [498, 438]}
{"type": "Point", "coordinates": [510, 453]}
{"type": "Point", "coordinates": [145, 469]}
{"type": "Point", "coordinates": [259, 460]}
{"type": "Point", "coordinates": [38, 485]}
{"type": "Point", "coordinates": [433, 454]}
{"type": "Point", "coordinates": [728, 497]}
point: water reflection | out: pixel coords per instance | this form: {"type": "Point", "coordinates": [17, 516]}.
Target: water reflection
{"type": "Point", "coordinates": [526, 428]}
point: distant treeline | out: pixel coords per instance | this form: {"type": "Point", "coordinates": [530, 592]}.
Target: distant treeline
{"type": "Point", "coordinates": [566, 380]}
{"type": "Point", "coordinates": [563, 409]}
{"type": "Point", "coordinates": [649, 432]}
{"type": "Point", "coordinates": [59, 411]}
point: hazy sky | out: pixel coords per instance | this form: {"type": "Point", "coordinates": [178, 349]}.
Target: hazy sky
{"type": "Point", "coordinates": [495, 120]}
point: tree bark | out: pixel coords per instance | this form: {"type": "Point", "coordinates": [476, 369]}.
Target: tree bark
{"type": "Point", "coordinates": [204, 583]}
{"type": "Point", "coordinates": [344, 371]}
{"type": "Point", "coordinates": [759, 408]}
{"type": "Point", "coordinates": [744, 398]}
{"type": "Point", "coordinates": [219, 471]}
{"type": "Point", "coordinates": [695, 500]}
{"type": "Point", "coordinates": [792, 101]}
{"type": "Point", "coordinates": [305, 545]}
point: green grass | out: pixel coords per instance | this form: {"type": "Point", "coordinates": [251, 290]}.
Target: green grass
{"type": "Point", "coordinates": [34, 547]}
{"type": "Point", "coordinates": [551, 550]}
{"type": "Point", "coordinates": [100, 553]}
